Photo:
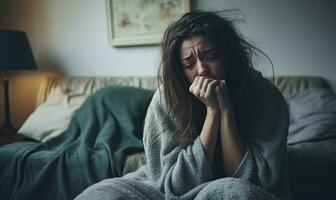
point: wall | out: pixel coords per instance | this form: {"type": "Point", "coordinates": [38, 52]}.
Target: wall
{"type": "Point", "coordinates": [298, 35]}
{"type": "Point", "coordinates": [71, 37]}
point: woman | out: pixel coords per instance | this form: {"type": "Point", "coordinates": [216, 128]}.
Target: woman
{"type": "Point", "coordinates": [215, 128]}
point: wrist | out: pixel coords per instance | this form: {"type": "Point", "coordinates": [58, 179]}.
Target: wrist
{"type": "Point", "coordinates": [212, 111]}
{"type": "Point", "coordinates": [227, 112]}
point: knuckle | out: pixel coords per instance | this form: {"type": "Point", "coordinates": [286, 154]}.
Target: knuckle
{"type": "Point", "coordinates": [202, 94]}
{"type": "Point", "coordinates": [213, 82]}
{"type": "Point", "coordinates": [212, 85]}
{"type": "Point", "coordinates": [196, 93]}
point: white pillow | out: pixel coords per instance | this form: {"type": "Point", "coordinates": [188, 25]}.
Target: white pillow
{"type": "Point", "coordinates": [51, 118]}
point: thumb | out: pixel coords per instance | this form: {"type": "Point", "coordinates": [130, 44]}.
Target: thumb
{"type": "Point", "coordinates": [223, 83]}
{"type": "Point", "coordinates": [191, 88]}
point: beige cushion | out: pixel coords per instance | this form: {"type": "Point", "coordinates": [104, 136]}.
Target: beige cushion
{"type": "Point", "coordinates": [289, 85]}
{"type": "Point", "coordinates": [52, 117]}
{"type": "Point", "coordinates": [59, 97]}
{"type": "Point", "coordinates": [88, 85]}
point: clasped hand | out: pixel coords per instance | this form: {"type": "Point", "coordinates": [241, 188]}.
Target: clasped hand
{"type": "Point", "coordinates": [213, 93]}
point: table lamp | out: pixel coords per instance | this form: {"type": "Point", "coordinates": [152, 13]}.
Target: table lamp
{"type": "Point", "coordinates": [15, 54]}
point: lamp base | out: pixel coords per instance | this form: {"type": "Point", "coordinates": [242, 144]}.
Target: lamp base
{"type": "Point", "coordinates": [7, 127]}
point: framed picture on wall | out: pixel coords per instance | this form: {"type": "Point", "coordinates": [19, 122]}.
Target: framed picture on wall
{"type": "Point", "coordinates": [142, 22]}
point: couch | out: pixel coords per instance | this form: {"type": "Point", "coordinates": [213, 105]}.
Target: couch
{"type": "Point", "coordinates": [80, 134]}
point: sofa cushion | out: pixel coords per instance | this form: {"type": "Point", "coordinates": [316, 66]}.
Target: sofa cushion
{"type": "Point", "coordinates": [88, 85]}
{"type": "Point", "coordinates": [312, 115]}
{"type": "Point", "coordinates": [58, 98]}
{"type": "Point", "coordinates": [52, 117]}
{"type": "Point", "coordinates": [289, 85]}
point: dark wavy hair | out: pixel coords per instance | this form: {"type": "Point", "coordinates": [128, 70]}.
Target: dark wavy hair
{"type": "Point", "coordinates": [233, 50]}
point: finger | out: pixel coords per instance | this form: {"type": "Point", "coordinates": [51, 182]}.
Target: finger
{"type": "Point", "coordinates": [224, 86]}
{"type": "Point", "coordinates": [218, 89]}
{"type": "Point", "coordinates": [221, 89]}
{"type": "Point", "coordinates": [191, 88]}
{"type": "Point", "coordinates": [223, 96]}
{"type": "Point", "coordinates": [204, 87]}
{"type": "Point", "coordinates": [198, 86]}
{"type": "Point", "coordinates": [211, 87]}
{"type": "Point", "coordinates": [196, 80]}
{"type": "Point", "coordinates": [219, 97]}
{"type": "Point", "coordinates": [193, 84]}
{"type": "Point", "coordinates": [200, 81]}
{"type": "Point", "coordinates": [223, 83]}
{"type": "Point", "coordinates": [213, 84]}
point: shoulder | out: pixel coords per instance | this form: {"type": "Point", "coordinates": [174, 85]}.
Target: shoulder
{"type": "Point", "coordinates": [265, 101]}
{"type": "Point", "coordinates": [261, 89]}
{"type": "Point", "coordinates": [158, 99]}
{"type": "Point", "coordinates": [158, 125]}
{"type": "Point", "coordinates": [158, 110]}
{"type": "Point", "coordinates": [268, 113]}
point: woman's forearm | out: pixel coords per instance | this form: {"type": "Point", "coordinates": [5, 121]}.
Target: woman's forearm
{"type": "Point", "coordinates": [233, 149]}
{"type": "Point", "coordinates": [209, 134]}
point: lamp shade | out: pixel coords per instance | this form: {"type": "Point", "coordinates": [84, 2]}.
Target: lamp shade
{"type": "Point", "coordinates": [15, 51]}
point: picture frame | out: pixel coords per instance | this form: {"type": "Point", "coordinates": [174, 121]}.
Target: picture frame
{"type": "Point", "coordinates": [142, 22]}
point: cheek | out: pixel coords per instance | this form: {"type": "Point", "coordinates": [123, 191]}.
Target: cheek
{"type": "Point", "coordinates": [220, 71]}
{"type": "Point", "coordinates": [190, 75]}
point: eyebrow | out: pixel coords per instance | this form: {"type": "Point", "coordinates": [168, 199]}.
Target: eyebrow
{"type": "Point", "coordinates": [201, 51]}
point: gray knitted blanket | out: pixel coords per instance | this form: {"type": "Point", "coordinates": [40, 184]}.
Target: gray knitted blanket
{"type": "Point", "coordinates": [172, 172]}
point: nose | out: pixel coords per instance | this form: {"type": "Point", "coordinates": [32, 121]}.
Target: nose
{"type": "Point", "coordinates": [202, 68]}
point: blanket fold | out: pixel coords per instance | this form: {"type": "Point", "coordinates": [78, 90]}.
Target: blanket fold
{"type": "Point", "coordinates": [175, 171]}
{"type": "Point", "coordinates": [106, 129]}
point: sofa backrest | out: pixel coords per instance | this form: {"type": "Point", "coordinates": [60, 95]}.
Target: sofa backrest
{"type": "Point", "coordinates": [88, 85]}
{"type": "Point", "coordinates": [288, 85]}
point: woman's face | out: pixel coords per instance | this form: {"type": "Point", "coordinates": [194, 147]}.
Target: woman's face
{"type": "Point", "coordinates": [199, 58]}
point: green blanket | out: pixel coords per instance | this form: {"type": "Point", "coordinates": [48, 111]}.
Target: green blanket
{"type": "Point", "coordinates": [106, 129]}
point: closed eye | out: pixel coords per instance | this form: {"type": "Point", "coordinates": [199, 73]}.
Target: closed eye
{"type": "Point", "coordinates": [188, 65]}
